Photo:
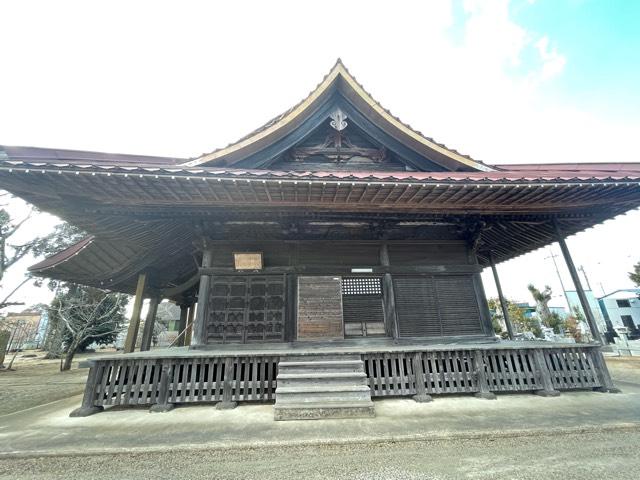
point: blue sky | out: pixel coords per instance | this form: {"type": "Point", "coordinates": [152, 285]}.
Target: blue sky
{"type": "Point", "coordinates": [516, 81]}
{"type": "Point", "coordinates": [601, 42]}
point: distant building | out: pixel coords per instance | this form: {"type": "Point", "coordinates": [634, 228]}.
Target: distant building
{"type": "Point", "coordinates": [574, 302]}
{"type": "Point", "coordinates": [24, 328]}
{"type": "Point", "coordinates": [622, 309]}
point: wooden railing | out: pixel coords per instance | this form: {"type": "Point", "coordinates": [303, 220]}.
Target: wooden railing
{"type": "Point", "coordinates": [191, 379]}
{"type": "Point", "coordinates": [495, 370]}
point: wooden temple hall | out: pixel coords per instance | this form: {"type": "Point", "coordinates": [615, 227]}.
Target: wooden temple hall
{"type": "Point", "coordinates": [329, 257]}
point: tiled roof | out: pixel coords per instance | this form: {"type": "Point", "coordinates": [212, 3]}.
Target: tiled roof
{"type": "Point", "coordinates": [505, 173]}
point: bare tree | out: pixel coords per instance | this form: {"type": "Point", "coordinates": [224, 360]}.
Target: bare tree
{"type": "Point", "coordinates": [63, 236]}
{"type": "Point", "coordinates": [85, 317]}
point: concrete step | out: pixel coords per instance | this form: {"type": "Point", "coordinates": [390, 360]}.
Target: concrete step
{"type": "Point", "coordinates": [324, 410]}
{"type": "Point", "coordinates": [320, 374]}
{"type": "Point", "coordinates": [322, 397]}
{"type": "Point", "coordinates": [325, 365]}
{"type": "Point", "coordinates": [321, 358]}
{"type": "Point", "coordinates": [322, 386]}
{"type": "Point", "coordinates": [319, 381]}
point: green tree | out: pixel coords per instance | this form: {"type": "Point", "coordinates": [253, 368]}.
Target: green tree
{"type": "Point", "coordinates": [635, 275]}
{"type": "Point", "coordinates": [556, 322]}
{"type": "Point", "coordinates": [83, 315]}
{"type": "Point", "coordinates": [521, 323]}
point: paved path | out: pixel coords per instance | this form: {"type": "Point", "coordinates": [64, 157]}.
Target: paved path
{"type": "Point", "coordinates": [49, 429]}
{"type": "Point", "coordinates": [588, 456]}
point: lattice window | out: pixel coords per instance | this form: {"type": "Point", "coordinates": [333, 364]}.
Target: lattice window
{"type": "Point", "coordinates": [361, 286]}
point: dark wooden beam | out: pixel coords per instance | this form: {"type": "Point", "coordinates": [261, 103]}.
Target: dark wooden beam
{"type": "Point", "coordinates": [584, 302]}
{"type": "Point", "coordinates": [346, 270]}
{"type": "Point", "coordinates": [503, 301]}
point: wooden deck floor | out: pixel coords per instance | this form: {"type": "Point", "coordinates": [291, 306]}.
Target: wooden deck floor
{"type": "Point", "coordinates": [359, 345]}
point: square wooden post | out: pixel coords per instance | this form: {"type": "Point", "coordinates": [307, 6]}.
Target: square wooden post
{"type": "Point", "coordinates": [481, 377]}
{"type": "Point", "coordinates": [421, 395]}
{"type": "Point", "coordinates": [134, 323]}
{"type": "Point", "coordinates": [199, 328]}
{"type": "Point", "coordinates": [166, 377]}
{"type": "Point", "coordinates": [388, 295]}
{"type": "Point", "coordinates": [182, 324]}
{"type": "Point", "coordinates": [189, 328]}
{"type": "Point", "coordinates": [584, 302]}
{"type": "Point", "coordinates": [88, 406]}
{"type": "Point", "coordinates": [543, 376]}
{"type": "Point", "coordinates": [503, 301]}
{"type": "Point", "coordinates": [227, 387]}
{"type": "Point", "coordinates": [149, 324]}
{"type": "Point", "coordinates": [606, 384]}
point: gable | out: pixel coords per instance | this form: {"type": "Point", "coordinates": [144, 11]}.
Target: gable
{"type": "Point", "coordinates": [302, 125]}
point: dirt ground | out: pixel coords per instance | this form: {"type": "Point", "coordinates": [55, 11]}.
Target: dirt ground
{"type": "Point", "coordinates": [35, 381]}
{"type": "Point", "coordinates": [610, 455]}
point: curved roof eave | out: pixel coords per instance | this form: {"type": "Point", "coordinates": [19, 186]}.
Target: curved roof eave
{"type": "Point", "coordinates": [338, 72]}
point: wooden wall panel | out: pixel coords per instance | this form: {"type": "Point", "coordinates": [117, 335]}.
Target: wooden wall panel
{"type": "Point", "coordinates": [339, 253]}
{"type": "Point", "coordinates": [319, 308]}
{"type": "Point", "coordinates": [432, 306]}
{"type": "Point", "coordinates": [414, 254]}
{"type": "Point", "coordinates": [459, 312]}
{"type": "Point", "coordinates": [416, 307]}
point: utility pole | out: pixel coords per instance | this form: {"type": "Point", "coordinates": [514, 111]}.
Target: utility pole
{"type": "Point", "coordinates": [553, 256]}
{"type": "Point", "coordinates": [581, 268]}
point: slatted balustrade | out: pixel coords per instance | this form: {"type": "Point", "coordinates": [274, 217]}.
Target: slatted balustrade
{"type": "Point", "coordinates": [190, 380]}
{"type": "Point", "coordinates": [202, 378]}
{"type": "Point", "coordinates": [503, 370]}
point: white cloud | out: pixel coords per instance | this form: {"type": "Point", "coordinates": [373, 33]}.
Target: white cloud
{"type": "Point", "coordinates": [552, 62]}
{"type": "Point", "coordinates": [181, 78]}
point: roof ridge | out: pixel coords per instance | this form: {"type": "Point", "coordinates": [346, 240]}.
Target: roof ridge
{"type": "Point", "coordinates": [339, 70]}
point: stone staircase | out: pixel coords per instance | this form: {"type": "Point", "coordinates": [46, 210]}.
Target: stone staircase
{"type": "Point", "coordinates": [322, 386]}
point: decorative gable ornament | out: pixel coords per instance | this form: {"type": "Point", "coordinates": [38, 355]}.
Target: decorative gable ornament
{"type": "Point", "coordinates": [338, 120]}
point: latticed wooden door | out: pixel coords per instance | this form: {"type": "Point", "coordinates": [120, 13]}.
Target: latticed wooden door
{"type": "Point", "coordinates": [247, 309]}
{"type": "Point", "coordinates": [362, 307]}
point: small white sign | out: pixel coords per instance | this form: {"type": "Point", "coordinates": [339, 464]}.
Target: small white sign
{"type": "Point", "coordinates": [362, 270]}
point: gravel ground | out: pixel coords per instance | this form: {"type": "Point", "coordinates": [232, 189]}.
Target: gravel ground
{"type": "Point", "coordinates": [585, 456]}
{"type": "Point", "coordinates": [35, 381]}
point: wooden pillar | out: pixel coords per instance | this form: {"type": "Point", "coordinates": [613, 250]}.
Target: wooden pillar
{"type": "Point", "coordinates": [606, 384]}
{"type": "Point", "coordinates": [88, 408]}
{"type": "Point", "coordinates": [421, 395]}
{"type": "Point", "coordinates": [149, 324]}
{"type": "Point", "coordinates": [543, 377]}
{"type": "Point", "coordinates": [388, 295]}
{"type": "Point", "coordinates": [134, 323]}
{"type": "Point", "coordinates": [166, 376]}
{"type": "Point", "coordinates": [227, 386]}
{"type": "Point", "coordinates": [188, 333]}
{"type": "Point", "coordinates": [481, 377]}
{"type": "Point", "coordinates": [200, 326]}
{"type": "Point", "coordinates": [584, 302]}
{"type": "Point", "coordinates": [182, 324]}
{"type": "Point", "coordinates": [503, 301]}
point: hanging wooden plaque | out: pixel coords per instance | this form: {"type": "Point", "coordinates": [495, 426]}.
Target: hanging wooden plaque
{"type": "Point", "coordinates": [247, 260]}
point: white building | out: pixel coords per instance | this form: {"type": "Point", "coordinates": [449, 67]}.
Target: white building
{"type": "Point", "coordinates": [622, 308]}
